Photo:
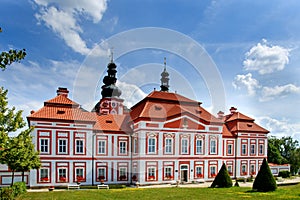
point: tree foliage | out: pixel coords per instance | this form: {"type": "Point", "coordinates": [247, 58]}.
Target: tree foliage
{"type": "Point", "coordinates": [264, 181]}
{"type": "Point", "coordinates": [18, 153]}
{"type": "Point", "coordinates": [11, 56]}
{"type": "Point", "coordinates": [222, 180]}
{"type": "Point", "coordinates": [284, 150]}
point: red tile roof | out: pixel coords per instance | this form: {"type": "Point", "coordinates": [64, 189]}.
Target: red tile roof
{"type": "Point", "coordinates": [61, 100]}
{"type": "Point", "coordinates": [238, 122]}
{"type": "Point", "coordinates": [165, 105]}
{"type": "Point", "coordinates": [113, 123]}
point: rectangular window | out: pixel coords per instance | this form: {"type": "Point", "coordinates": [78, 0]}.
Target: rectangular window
{"type": "Point", "coordinates": [168, 172]}
{"type": "Point", "coordinates": [151, 173]}
{"type": "Point", "coordinates": [199, 146]}
{"type": "Point", "coordinates": [79, 146]}
{"type": "Point", "coordinates": [213, 147]}
{"type": "Point", "coordinates": [79, 174]}
{"type": "Point", "coordinates": [151, 145]}
{"type": "Point", "coordinates": [101, 174]}
{"type": "Point", "coordinates": [252, 149]}
{"type": "Point", "coordinates": [244, 169]}
{"type": "Point", "coordinates": [229, 149]}
{"type": "Point", "coordinates": [213, 171]}
{"type": "Point", "coordinates": [252, 169]}
{"type": "Point", "coordinates": [229, 169]}
{"type": "Point", "coordinates": [62, 146]}
{"type": "Point", "coordinates": [199, 173]}
{"type": "Point", "coordinates": [184, 146]}
{"type": "Point", "coordinates": [44, 146]}
{"type": "Point", "coordinates": [44, 175]}
{"type": "Point", "coordinates": [135, 145]}
{"type": "Point", "coordinates": [102, 147]}
{"type": "Point", "coordinates": [62, 174]}
{"type": "Point", "coordinates": [122, 173]}
{"type": "Point", "coordinates": [168, 145]}
{"type": "Point", "coordinates": [261, 149]}
{"type": "Point", "coordinates": [122, 147]}
{"type": "Point", "coordinates": [244, 149]}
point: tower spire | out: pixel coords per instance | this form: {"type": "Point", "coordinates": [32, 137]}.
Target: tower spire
{"type": "Point", "coordinates": [164, 78]}
{"type": "Point", "coordinates": [111, 55]}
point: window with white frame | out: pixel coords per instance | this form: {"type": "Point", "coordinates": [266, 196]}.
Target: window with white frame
{"type": "Point", "coordinates": [122, 173]}
{"type": "Point", "coordinates": [168, 172]}
{"type": "Point", "coordinates": [79, 172]}
{"type": "Point", "coordinates": [62, 146]}
{"type": "Point", "coordinates": [252, 169]}
{"type": "Point", "coordinates": [168, 145]}
{"type": "Point", "coordinates": [44, 145]}
{"type": "Point", "coordinates": [79, 146]}
{"type": "Point", "coordinates": [252, 149]}
{"type": "Point", "coordinates": [229, 149]}
{"type": "Point", "coordinates": [151, 145]}
{"type": "Point", "coordinates": [213, 170]}
{"type": "Point", "coordinates": [122, 147]}
{"type": "Point", "coordinates": [244, 169]}
{"type": "Point", "coordinates": [101, 173]}
{"type": "Point", "coordinates": [184, 146]}
{"type": "Point", "coordinates": [44, 175]}
{"type": "Point", "coordinates": [244, 149]}
{"type": "Point", "coordinates": [199, 146]}
{"type": "Point", "coordinates": [229, 169]}
{"type": "Point", "coordinates": [199, 172]}
{"type": "Point", "coordinates": [62, 174]}
{"type": "Point", "coordinates": [102, 147]}
{"type": "Point", "coordinates": [261, 149]}
{"type": "Point", "coordinates": [213, 146]}
{"type": "Point", "coordinates": [151, 172]}
{"type": "Point", "coordinates": [135, 145]}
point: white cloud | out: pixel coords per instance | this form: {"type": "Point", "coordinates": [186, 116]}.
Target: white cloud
{"type": "Point", "coordinates": [130, 93]}
{"type": "Point", "coordinates": [269, 93]}
{"type": "Point", "coordinates": [280, 128]}
{"type": "Point", "coordinates": [62, 16]}
{"type": "Point", "coordinates": [266, 59]}
{"type": "Point", "coordinates": [246, 81]}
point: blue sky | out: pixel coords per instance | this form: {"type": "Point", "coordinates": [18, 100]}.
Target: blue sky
{"type": "Point", "coordinates": [253, 44]}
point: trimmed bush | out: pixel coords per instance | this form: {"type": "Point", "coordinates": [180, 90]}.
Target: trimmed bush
{"type": "Point", "coordinates": [222, 180]}
{"type": "Point", "coordinates": [264, 181]}
{"type": "Point", "coordinates": [19, 188]}
{"type": "Point", "coordinates": [7, 193]}
{"type": "Point", "coordinates": [284, 174]}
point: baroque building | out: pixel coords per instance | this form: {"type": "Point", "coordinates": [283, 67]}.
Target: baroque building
{"type": "Point", "coordinates": [164, 138]}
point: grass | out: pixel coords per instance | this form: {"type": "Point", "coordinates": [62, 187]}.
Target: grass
{"type": "Point", "coordinates": [284, 192]}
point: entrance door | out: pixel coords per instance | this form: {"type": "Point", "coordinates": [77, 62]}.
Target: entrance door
{"type": "Point", "coordinates": [184, 173]}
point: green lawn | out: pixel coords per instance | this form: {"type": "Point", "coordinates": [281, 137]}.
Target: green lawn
{"type": "Point", "coordinates": [284, 192]}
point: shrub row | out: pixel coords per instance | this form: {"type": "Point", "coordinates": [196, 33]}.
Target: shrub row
{"type": "Point", "coordinates": [10, 193]}
{"type": "Point", "coordinates": [284, 174]}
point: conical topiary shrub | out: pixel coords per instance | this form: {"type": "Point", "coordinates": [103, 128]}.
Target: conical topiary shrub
{"type": "Point", "coordinates": [264, 181]}
{"type": "Point", "coordinates": [222, 180]}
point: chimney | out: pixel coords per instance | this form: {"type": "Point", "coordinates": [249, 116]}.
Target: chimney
{"type": "Point", "coordinates": [220, 115]}
{"type": "Point", "coordinates": [232, 110]}
{"type": "Point", "coordinates": [62, 91]}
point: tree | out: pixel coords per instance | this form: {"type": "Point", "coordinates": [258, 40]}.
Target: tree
{"type": "Point", "coordinates": [13, 55]}
{"type": "Point", "coordinates": [222, 180]}
{"type": "Point", "coordinates": [16, 152]}
{"type": "Point", "coordinates": [264, 181]}
{"type": "Point", "coordinates": [284, 151]}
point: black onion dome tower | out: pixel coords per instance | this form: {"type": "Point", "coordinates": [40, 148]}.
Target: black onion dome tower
{"type": "Point", "coordinates": [110, 103]}
{"type": "Point", "coordinates": [164, 79]}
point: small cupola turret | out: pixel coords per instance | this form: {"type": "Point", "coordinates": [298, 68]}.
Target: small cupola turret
{"type": "Point", "coordinates": [164, 79]}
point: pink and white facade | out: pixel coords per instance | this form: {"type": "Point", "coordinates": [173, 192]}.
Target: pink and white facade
{"type": "Point", "coordinates": [164, 138]}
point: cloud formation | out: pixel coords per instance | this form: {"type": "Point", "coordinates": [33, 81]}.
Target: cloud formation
{"type": "Point", "coordinates": [246, 81]}
{"type": "Point", "coordinates": [266, 59]}
{"type": "Point", "coordinates": [270, 93]}
{"type": "Point", "coordinates": [62, 18]}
